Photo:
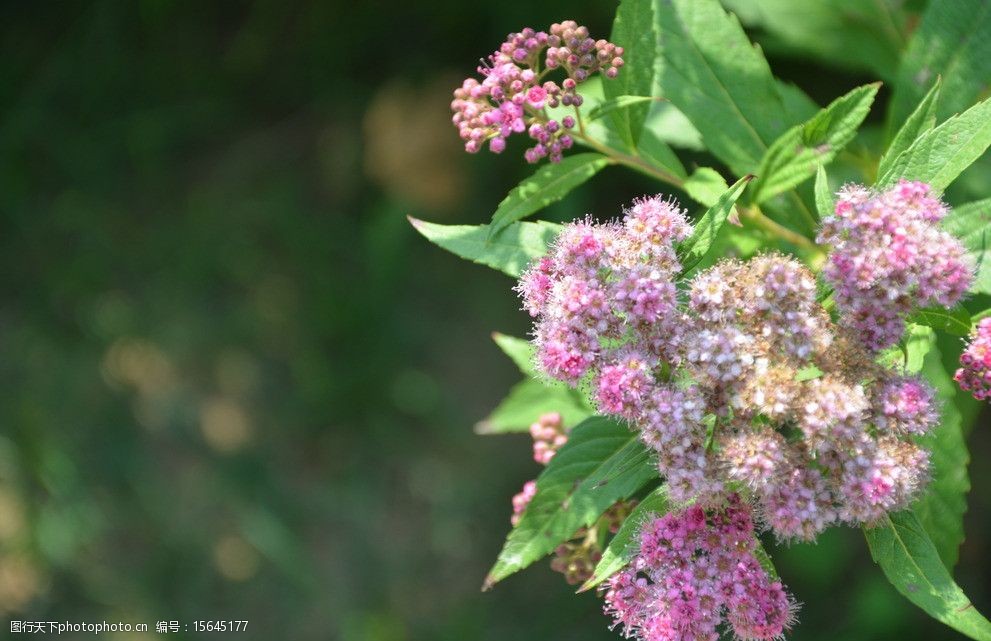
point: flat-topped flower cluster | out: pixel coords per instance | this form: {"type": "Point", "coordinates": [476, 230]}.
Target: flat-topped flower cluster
{"type": "Point", "coordinates": [514, 92]}
{"type": "Point", "coordinates": [694, 571]}
{"type": "Point", "coordinates": [742, 383]}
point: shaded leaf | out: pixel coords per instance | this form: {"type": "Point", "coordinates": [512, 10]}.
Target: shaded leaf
{"type": "Point", "coordinates": [954, 321]}
{"type": "Point", "coordinates": [953, 40]}
{"type": "Point", "coordinates": [509, 251]}
{"type": "Point", "coordinates": [547, 185]}
{"type": "Point", "coordinates": [906, 554]}
{"type": "Point", "coordinates": [795, 156]}
{"type": "Point", "coordinates": [602, 462]}
{"type": "Point", "coordinates": [940, 510]}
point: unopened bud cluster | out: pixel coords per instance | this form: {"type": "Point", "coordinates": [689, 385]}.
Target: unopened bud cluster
{"type": "Point", "coordinates": [749, 386]}
{"type": "Point", "coordinates": [889, 257]}
{"type": "Point", "coordinates": [514, 91]}
{"type": "Point", "coordinates": [696, 571]}
{"type": "Point", "coordinates": [974, 374]}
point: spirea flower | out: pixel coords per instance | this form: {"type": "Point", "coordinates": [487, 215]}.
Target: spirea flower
{"type": "Point", "coordinates": [747, 384]}
{"type": "Point", "coordinates": [694, 571]}
{"type": "Point", "coordinates": [889, 256]}
{"type": "Point", "coordinates": [512, 95]}
{"type": "Point", "coordinates": [522, 500]}
{"type": "Point", "coordinates": [974, 374]}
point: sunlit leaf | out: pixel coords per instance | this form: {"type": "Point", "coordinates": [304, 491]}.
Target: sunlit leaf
{"type": "Point", "coordinates": [509, 251]}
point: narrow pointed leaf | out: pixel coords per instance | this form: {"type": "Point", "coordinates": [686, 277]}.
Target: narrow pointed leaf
{"type": "Point", "coordinates": [624, 543]}
{"type": "Point", "coordinates": [528, 400]}
{"type": "Point", "coordinates": [705, 186]}
{"type": "Point", "coordinates": [618, 102]}
{"type": "Point", "coordinates": [547, 185]}
{"type": "Point", "coordinates": [695, 247]}
{"type": "Point", "coordinates": [508, 251]}
{"type": "Point", "coordinates": [922, 120]}
{"type": "Point", "coordinates": [906, 554]}
{"type": "Point", "coordinates": [825, 203]}
{"type": "Point", "coordinates": [794, 156]}
{"type": "Point", "coordinates": [519, 350]}
{"type": "Point", "coordinates": [940, 155]}
{"type": "Point", "coordinates": [602, 462]}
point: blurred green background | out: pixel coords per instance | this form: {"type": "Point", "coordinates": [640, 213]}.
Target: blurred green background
{"type": "Point", "coordinates": [234, 384]}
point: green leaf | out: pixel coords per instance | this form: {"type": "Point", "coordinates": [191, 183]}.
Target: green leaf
{"type": "Point", "coordinates": [658, 153]}
{"type": "Point", "coordinates": [519, 350]}
{"type": "Point", "coordinates": [940, 510]}
{"type": "Point", "coordinates": [825, 204]}
{"type": "Point", "coordinates": [953, 40]}
{"type": "Point", "coordinates": [940, 155]}
{"type": "Point", "coordinates": [900, 545]}
{"type": "Point", "coordinates": [695, 247]}
{"type": "Point", "coordinates": [612, 104]}
{"type": "Point", "coordinates": [509, 251]}
{"type": "Point", "coordinates": [547, 185]}
{"type": "Point", "coordinates": [671, 127]}
{"type": "Point", "coordinates": [530, 398]}
{"type": "Point", "coordinates": [795, 155]}
{"type": "Point", "coordinates": [808, 373]}
{"type": "Point", "coordinates": [971, 223]}
{"type": "Point", "coordinates": [705, 186]}
{"type": "Point", "coordinates": [954, 321]}
{"type": "Point", "coordinates": [602, 462]}
{"type": "Point", "coordinates": [623, 545]}
{"type": "Point", "coordinates": [919, 340]}
{"type": "Point", "coordinates": [922, 120]}
{"type": "Point", "coordinates": [713, 74]}
{"type": "Point", "coordinates": [634, 30]}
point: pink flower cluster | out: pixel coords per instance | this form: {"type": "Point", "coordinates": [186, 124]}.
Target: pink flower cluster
{"type": "Point", "coordinates": [513, 93]}
{"type": "Point", "coordinates": [693, 572]}
{"type": "Point", "coordinates": [750, 385]}
{"type": "Point", "coordinates": [890, 256]}
{"type": "Point", "coordinates": [549, 436]}
{"type": "Point", "coordinates": [974, 374]}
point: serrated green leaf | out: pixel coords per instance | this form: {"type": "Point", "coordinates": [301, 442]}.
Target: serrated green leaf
{"type": "Point", "coordinates": [617, 102]}
{"type": "Point", "coordinates": [695, 247]}
{"type": "Point", "coordinates": [906, 554]}
{"type": "Point", "coordinates": [954, 321]}
{"type": "Point", "coordinates": [825, 204]}
{"type": "Point", "coordinates": [953, 40]}
{"type": "Point", "coordinates": [519, 350]}
{"type": "Point", "coordinates": [508, 251]}
{"type": "Point", "coordinates": [705, 186]}
{"type": "Point", "coordinates": [940, 155]}
{"type": "Point", "coordinates": [808, 373]}
{"type": "Point", "coordinates": [922, 120]}
{"type": "Point", "coordinates": [794, 157]}
{"type": "Point", "coordinates": [713, 74]}
{"type": "Point", "coordinates": [602, 462]}
{"type": "Point", "coordinates": [941, 508]}
{"type": "Point", "coordinates": [623, 545]}
{"type": "Point", "coordinates": [547, 185]}
{"type": "Point", "coordinates": [634, 30]}
{"type": "Point", "coordinates": [971, 223]}
{"type": "Point", "coordinates": [528, 400]}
